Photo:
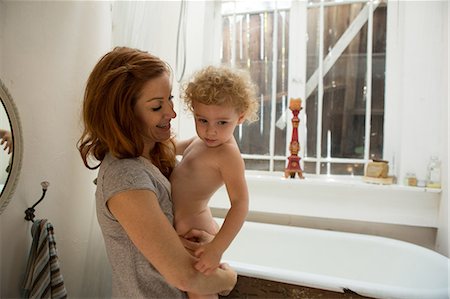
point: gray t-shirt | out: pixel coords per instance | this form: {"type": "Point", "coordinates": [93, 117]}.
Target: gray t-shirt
{"type": "Point", "coordinates": [133, 276]}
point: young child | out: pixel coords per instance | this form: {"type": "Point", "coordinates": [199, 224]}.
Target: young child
{"type": "Point", "coordinates": [220, 99]}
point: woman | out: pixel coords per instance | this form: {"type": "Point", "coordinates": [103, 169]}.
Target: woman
{"type": "Point", "coordinates": [127, 112]}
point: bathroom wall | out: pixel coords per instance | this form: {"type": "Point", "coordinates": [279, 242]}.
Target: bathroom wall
{"type": "Point", "coordinates": [442, 238]}
{"type": "Point", "coordinates": [443, 242]}
{"type": "Point", "coordinates": [423, 108]}
{"type": "Point", "coordinates": [47, 50]}
{"type": "Point", "coordinates": [3, 120]}
{"type": "Point", "coordinates": [2, 20]}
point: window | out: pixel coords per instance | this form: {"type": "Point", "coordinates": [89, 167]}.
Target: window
{"type": "Point", "coordinates": [343, 61]}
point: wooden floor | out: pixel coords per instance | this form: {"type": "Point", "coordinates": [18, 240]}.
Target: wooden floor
{"type": "Point", "coordinates": [248, 287]}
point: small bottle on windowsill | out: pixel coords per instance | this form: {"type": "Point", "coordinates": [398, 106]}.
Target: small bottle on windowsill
{"type": "Point", "coordinates": [410, 179]}
{"type": "Point", "coordinates": [434, 173]}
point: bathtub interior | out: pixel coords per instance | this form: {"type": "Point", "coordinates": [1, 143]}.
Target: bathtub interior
{"type": "Point", "coordinates": [334, 260]}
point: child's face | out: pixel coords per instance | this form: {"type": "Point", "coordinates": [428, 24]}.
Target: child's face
{"type": "Point", "coordinates": [215, 124]}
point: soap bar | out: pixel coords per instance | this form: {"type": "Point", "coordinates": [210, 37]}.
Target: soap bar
{"type": "Point", "coordinates": [377, 169]}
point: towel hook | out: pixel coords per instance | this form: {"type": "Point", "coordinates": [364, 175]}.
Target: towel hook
{"type": "Point", "coordinates": [29, 213]}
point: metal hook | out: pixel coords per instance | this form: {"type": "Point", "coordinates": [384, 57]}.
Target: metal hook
{"type": "Point", "coordinates": [29, 213]}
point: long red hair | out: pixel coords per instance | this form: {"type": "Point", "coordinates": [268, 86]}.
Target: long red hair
{"type": "Point", "coordinates": [110, 124]}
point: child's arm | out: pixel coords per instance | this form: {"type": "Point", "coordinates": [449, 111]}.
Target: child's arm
{"type": "Point", "coordinates": [233, 173]}
{"type": "Point", "coordinates": [181, 145]}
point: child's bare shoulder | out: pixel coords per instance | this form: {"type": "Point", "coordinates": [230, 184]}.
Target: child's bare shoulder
{"type": "Point", "coordinates": [229, 153]}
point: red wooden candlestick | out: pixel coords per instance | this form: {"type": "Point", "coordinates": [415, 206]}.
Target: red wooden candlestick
{"type": "Point", "coordinates": [293, 166]}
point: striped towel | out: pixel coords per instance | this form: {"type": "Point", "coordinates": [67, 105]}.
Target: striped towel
{"type": "Point", "coordinates": [43, 278]}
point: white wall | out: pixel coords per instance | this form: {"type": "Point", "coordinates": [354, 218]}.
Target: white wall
{"type": "Point", "coordinates": [417, 93]}
{"type": "Point", "coordinates": [47, 50]}
{"type": "Point", "coordinates": [443, 242]}
{"type": "Point", "coordinates": [415, 89]}
{"type": "Point", "coordinates": [131, 20]}
{"type": "Point", "coordinates": [2, 21]}
{"type": "Point", "coordinates": [4, 160]}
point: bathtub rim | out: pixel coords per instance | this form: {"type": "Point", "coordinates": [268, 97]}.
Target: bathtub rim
{"type": "Point", "coordinates": [334, 284]}
{"type": "Point", "coordinates": [339, 284]}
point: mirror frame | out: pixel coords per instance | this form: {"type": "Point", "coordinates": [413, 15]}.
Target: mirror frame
{"type": "Point", "coordinates": [16, 161]}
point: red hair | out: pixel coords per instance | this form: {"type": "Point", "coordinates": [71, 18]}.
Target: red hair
{"type": "Point", "coordinates": [110, 124]}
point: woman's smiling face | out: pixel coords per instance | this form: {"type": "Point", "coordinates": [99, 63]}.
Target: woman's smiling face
{"type": "Point", "coordinates": [154, 109]}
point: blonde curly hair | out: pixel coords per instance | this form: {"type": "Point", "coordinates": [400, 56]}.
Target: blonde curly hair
{"type": "Point", "coordinates": [223, 86]}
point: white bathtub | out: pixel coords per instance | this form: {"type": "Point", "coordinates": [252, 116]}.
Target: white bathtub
{"type": "Point", "coordinates": [370, 266]}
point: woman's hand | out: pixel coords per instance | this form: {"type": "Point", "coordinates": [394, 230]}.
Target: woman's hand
{"type": "Point", "coordinates": [195, 239]}
{"type": "Point", "coordinates": [227, 267]}
{"type": "Point", "coordinates": [209, 258]}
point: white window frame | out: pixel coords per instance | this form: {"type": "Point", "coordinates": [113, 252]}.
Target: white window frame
{"type": "Point", "coordinates": [298, 87]}
{"type": "Point", "coordinates": [325, 64]}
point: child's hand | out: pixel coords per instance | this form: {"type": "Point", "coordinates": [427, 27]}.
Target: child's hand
{"type": "Point", "coordinates": [195, 239]}
{"type": "Point", "coordinates": [209, 259]}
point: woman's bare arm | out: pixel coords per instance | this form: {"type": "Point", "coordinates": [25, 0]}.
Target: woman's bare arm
{"type": "Point", "coordinates": [139, 213]}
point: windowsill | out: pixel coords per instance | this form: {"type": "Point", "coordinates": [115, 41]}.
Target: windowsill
{"type": "Point", "coordinates": [333, 180]}
{"type": "Point", "coordinates": [338, 197]}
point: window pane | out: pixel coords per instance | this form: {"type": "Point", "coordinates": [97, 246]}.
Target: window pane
{"type": "Point", "coordinates": [282, 81]}
{"type": "Point", "coordinates": [342, 168]}
{"type": "Point", "coordinates": [226, 39]}
{"type": "Point", "coordinates": [344, 102]}
{"type": "Point", "coordinates": [262, 165]}
{"type": "Point", "coordinates": [250, 41]}
{"type": "Point", "coordinates": [335, 168]}
{"type": "Point", "coordinates": [343, 109]}
{"type": "Point", "coordinates": [254, 52]}
{"type": "Point", "coordinates": [312, 64]}
{"type": "Point", "coordinates": [280, 165]}
{"type": "Point", "coordinates": [344, 69]}
{"type": "Point", "coordinates": [378, 81]}
{"type": "Point", "coordinates": [343, 124]}
{"type": "Point", "coordinates": [311, 110]}
{"type": "Point", "coordinates": [309, 167]}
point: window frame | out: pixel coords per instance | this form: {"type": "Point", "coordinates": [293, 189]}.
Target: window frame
{"type": "Point", "coordinates": [298, 86]}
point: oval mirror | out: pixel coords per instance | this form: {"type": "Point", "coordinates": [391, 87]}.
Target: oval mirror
{"type": "Point", "coordinates": [10, 148]}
